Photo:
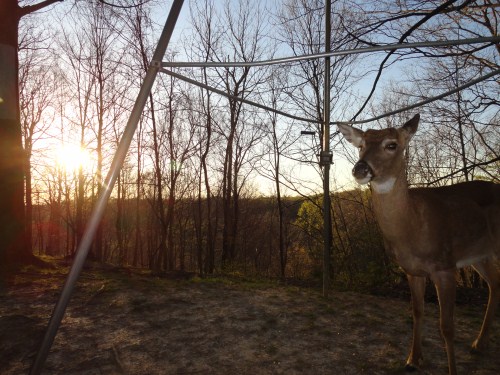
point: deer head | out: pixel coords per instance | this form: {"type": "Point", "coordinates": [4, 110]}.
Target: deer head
{"type": "Point", "coordinates": [381, 153]}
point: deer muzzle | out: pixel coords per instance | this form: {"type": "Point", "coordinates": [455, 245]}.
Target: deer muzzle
{"type": "Point", "coordinates": [362, 172]}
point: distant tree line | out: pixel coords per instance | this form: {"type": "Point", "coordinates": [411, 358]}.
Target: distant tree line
{"type": "Point", "coordinates": [358, 257]}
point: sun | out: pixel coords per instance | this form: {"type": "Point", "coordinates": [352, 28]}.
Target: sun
{"type": "Point", "coordinates": [72, 158]}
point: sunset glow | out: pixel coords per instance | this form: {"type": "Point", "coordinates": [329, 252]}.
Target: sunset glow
{"type": "Point", "coordinates": [71, 158]}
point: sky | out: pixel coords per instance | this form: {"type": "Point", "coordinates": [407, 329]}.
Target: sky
{"type": "Point", "coordinates": [341, 167]}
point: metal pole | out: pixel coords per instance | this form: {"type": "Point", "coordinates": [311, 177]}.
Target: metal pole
{"type": "Point", "coordinates": [113, 173]}
{"type": "Point", "coordinates": [425, 101]}
{"type": "Point", "coordinates": [326, 159]}
{"type": "Point", "coordinates": [352, 51]}
{"type": "Point", "coordinates": [243, 100]}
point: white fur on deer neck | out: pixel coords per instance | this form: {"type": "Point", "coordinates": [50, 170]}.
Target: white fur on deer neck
{"type": "Point", "coordinates": [383, 187]}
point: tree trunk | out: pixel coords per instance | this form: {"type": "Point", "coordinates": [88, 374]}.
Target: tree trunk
{"type": "Point", "coordinates": [79, 220]}
{"type": "Point", "coordinates": [28, 200]}
{"type": "Point", "coordinates": [210, 256]}
{"type": "Point", "coordinates": [138, 257]}
{"type": "Point", "coordinates": [13, 246]}
{"type": "Point", "coordinates": [226, 202]}
{"type": "Point", "coordinates": [161, 260]}
{"type": "Point", "coordinates": [122, 257]}
{"type": "Point", "coordinates": [54, 234]}
{"type": "Point", "coordinates": [281, 222]}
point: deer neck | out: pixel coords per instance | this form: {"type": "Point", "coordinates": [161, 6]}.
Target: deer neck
{"type": "Point", "coordinates": [392, 205]}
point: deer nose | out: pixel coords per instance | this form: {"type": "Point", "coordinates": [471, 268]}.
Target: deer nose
{"type": "Point", "coordinates": [361, 170]}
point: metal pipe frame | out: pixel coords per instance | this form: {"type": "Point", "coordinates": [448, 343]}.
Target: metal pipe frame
{"type": "Point", "coordinates": [354, 51]}
{"type": "Point", "coordinates": [325, 159]}
{"type": "Point", "coordinates": [426, 101]}
{"type": "Point", "coordinates": [243, 100]}
{"type": "Point", "coordinates": [407, 108]}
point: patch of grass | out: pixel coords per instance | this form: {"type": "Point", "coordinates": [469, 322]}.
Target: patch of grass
{"type": "Point", "coordinates": [326, 332]}
{"type": "Point", "coordinates": [272, 350]}
{"type": "Point", "coordinates": [235, 280]}
{"type": "Point", "coordinates": [393, 366]}
{"type": "Point", "coordinates": [270, 323]}
{"type": "Point", "coordinates": [300, 365]}
{"type": "Point", "coordinates": [328, 308]}
{"type": "Point", "coordinates": [293, 290]}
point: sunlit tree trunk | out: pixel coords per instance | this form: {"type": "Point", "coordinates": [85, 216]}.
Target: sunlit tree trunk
{"type": "Point", "coordinates": [210, 247]}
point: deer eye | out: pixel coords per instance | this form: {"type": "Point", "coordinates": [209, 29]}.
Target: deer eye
{"type": "Point", "coordinates": [391, 146]}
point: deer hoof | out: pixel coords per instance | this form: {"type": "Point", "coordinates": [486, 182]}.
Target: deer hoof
{"type": "Point", "coordinates": [413, 362]}
{"type": "Point", "coordinates": [410, 367]}
{"type": "Point", "coordinates": [478, 347]}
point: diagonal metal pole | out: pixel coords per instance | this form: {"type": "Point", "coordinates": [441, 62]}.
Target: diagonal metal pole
{"type": "Point", "coordinates": [101, 204]}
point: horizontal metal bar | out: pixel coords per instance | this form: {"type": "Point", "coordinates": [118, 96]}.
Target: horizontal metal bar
{"type": "Point", "coordinates": [223, 93]}
{"type": "Point", "coordinates": [283, 60]}
{"type": "Point", "coordinates": [387, 114]}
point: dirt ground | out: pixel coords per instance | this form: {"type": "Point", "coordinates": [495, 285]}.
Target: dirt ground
{"type": "Point", "coordinates": [129, 323]}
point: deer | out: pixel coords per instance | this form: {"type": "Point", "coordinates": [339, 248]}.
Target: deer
{"type": "Point", "coordinates": [430, 231]}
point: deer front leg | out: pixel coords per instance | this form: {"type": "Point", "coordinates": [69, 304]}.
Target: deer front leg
{"type": "Point", "coordinates": [488, 271]}
{"type": "Point", "coordinates": [446, 290]}
{"type": "Point", "coordinates": [417, 288]}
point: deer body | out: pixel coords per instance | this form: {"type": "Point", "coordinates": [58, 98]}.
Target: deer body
{"type": "Point", "coordinates": [430, 231]}
{"type": "Point", "coordinates": [427, 230]}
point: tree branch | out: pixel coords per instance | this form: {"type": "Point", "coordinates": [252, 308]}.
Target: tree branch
{"type": "Point", "coordinates": [436, 11]}
{"type": "Point", "coordinates": [124, 6]}
{"type": "Point", "coordinates": [469, 167]}
{"type": "Point", "coordinates": [33, 8]}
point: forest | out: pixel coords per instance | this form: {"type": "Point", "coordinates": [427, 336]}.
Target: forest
{"type": "Point", "coordinates": [212, 185]}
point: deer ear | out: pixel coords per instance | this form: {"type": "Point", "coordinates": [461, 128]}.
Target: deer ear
{"type": "Point", "coordinates": [410, 128]}
{"type": "Point", "coordinates": [351, 134]}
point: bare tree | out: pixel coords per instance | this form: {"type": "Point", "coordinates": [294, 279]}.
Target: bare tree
{"type": "Point", "coordinates": [280, 136]}
{"type": "Point", "coordinates": [301, 30]}
{"type": "Point", "coordinates": [14, 247]}
{"type": "Point", "coordinates": [76, 53]}
{"type": "Point", "coordinates": [36, 84]}
{"type": "Point", "coordinates": [140, 50]}
{"type": "Point", "coordinates": [244, 43]}
{"type": "Point", "coordinates": [464, 123]}
{"type": "Point", "coordinates": [104, 62]}
{"type": "Point", "coordinates": [203, 20]}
